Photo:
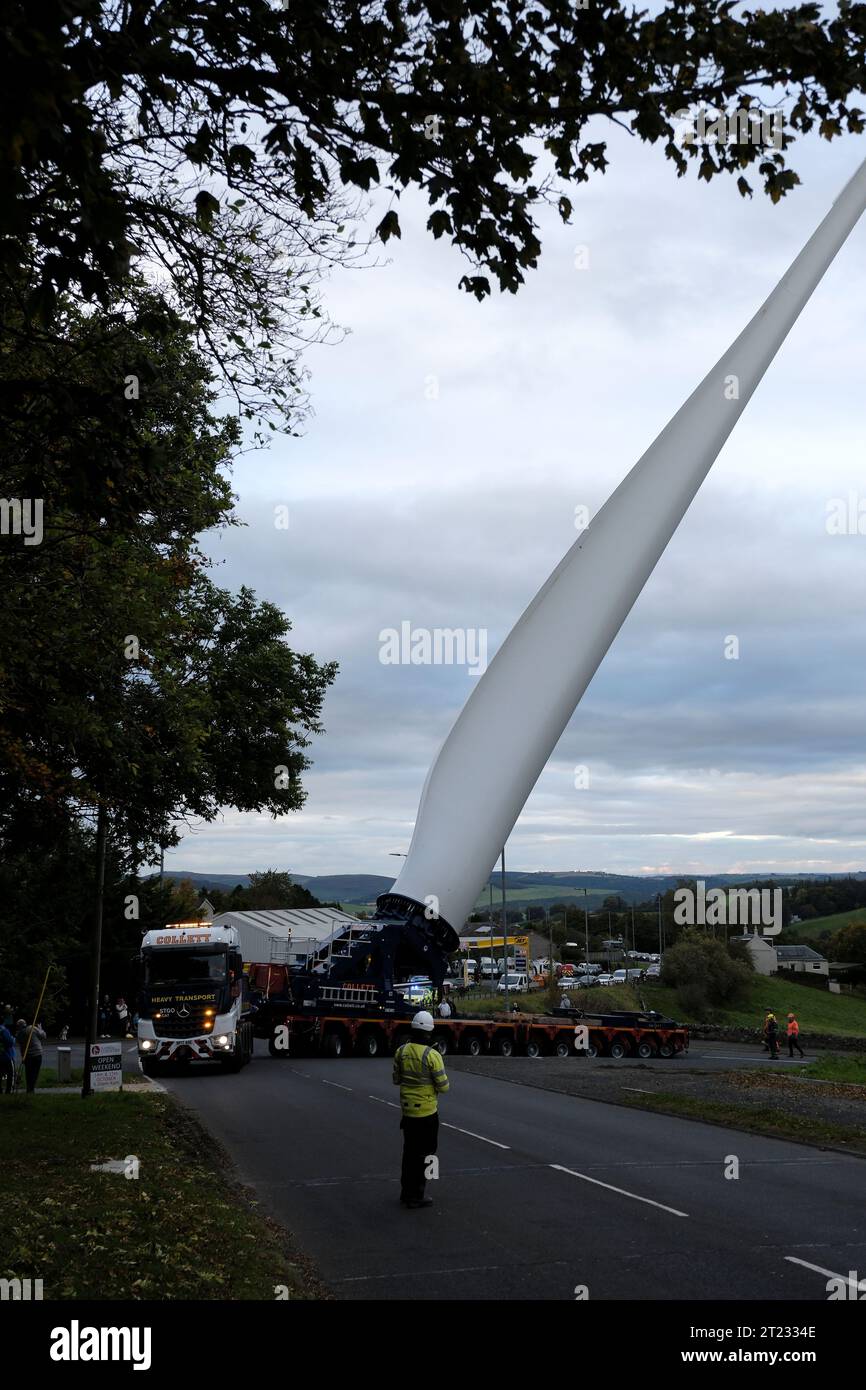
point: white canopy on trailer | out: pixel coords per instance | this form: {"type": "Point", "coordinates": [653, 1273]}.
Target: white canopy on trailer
{"type": "Point", "coordinates": [284, 936]}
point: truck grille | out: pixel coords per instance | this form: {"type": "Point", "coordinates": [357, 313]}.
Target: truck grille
{"type": "Point", "coordinates": [170, 1026]}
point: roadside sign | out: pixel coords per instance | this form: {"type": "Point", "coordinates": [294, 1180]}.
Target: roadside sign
{"type": "Point", "coordinates": [106, 1066]}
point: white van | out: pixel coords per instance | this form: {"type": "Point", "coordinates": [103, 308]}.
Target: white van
{"type": "Point", "coordinates": [517, 982]}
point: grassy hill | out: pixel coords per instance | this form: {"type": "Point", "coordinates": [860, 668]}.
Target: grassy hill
{"type": "Point", "coordinates": [835, 922]}
{"type": "Point", "coordinates": [817, 1011]}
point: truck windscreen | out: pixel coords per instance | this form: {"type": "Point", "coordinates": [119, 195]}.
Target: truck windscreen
{"type": "Point", "coordinates": [179, 965]}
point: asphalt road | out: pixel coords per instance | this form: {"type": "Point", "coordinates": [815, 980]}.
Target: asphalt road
{"type": "Point", "coordinates": [539, 1193]}
{"type": "Point", "coordinates": [703, 1056]}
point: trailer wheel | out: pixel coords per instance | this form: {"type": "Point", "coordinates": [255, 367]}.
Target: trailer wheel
{"type": "Point", "coordinates": [646, 1048]}
{"type": "Point", "coordinates": [472, 1045]}
{"type": "Point", "coordinates": [592, 1048]}
{"type": "Point", "coordinates": [504, 1045]}
{"type": "Point", "coordinates": [367, 1044]}
{"type": "Point", "coordinates": [533, 1048]}
{"type": "Point", "coordinates": [562, 1047]}
{"type": "Point", "coordinates": [441, 1044]}
{"type": "Point", "coordinates": [334, 1045]}
{"type": "Point", "coordinates": [620, 1048]}
{"type": "Point", "coordinates": [666, 1049]}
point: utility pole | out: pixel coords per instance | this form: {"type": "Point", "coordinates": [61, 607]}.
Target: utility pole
{"type": "Point", "coordinates": [660, 926]}
{"type": "Point", "coordinates": [96, 948]}
{"type": "Point", "coordinates": [586, 923]}
{"type": "Point", "coordinates": [504, 929]}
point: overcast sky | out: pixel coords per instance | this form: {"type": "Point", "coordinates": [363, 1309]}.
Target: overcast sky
{"type": "Point", "coordinates": [451, 512]}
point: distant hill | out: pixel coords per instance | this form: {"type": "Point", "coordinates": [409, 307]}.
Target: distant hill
{"type": "Point", "coordinates": [540, 889]}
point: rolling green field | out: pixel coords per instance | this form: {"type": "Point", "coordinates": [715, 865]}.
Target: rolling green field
{"type": "Point", "coordinates": [816, 1011]}
{"type": "Point", "coordinates": [832, 924]}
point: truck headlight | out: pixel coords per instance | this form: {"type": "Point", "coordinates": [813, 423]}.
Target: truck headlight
{"type": "Point", "coordinates": [224, 1040]}
{"type": "Point", "coordinates": [146, 1045]}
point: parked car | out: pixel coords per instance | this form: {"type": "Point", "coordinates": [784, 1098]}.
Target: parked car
{"type": "Point", "coordinates": [653, 972]}
{"type": "Point", "coordinates": [604, 979]}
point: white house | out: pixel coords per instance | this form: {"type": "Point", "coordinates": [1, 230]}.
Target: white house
{"type": "Point", "coordinates": [762, 951]}
{"type": "Point", "coordinates": [802, 960]}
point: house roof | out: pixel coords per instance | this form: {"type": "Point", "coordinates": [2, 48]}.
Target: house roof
{"type": "Point", "coordinates": [798, 953]}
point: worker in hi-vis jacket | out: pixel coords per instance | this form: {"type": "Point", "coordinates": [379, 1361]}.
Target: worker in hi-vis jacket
{"type": "Point", "coordinates": [420, 1073]}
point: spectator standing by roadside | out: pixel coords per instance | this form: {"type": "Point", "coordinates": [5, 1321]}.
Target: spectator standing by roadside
{"type": "Point", "coordinates": [7, 1060]}
{"type": "Point", "coordinates": [30, 1038]}
{"type": "Point", "coordinates": [773, 1037]}
{"type": "Point", "coordinates": [794, 1036]}
{"type": "Point", "coordinates": [122, 1012]}
{"type": "Point", "coordinates": [104, 1016]}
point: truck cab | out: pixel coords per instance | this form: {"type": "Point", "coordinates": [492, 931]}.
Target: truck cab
{"type": "Point", "coordinates": [193, 1002]}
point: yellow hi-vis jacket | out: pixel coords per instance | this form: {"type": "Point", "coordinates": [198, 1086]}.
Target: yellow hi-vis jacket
{"type": "Point", "coordinates": [420, 1073]}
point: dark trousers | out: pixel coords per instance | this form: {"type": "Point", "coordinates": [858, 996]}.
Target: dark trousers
{"type": "Point", "coordinates": [420, 1138]}
{"type": "Point", "coordinates": [773, 1044]}
{"type": "Point", "coordinates": [7, 1072]}
{"type": "Point", "coordinates": [792, 1043]}
{"type": "Point", "coordinates": [31, 1071]}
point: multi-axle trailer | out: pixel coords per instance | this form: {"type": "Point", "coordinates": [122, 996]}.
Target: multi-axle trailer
{"type": "Point", "coordinates": [562, 1033]}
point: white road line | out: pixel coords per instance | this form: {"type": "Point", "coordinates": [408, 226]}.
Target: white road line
{"type": "Point", "coordinates": [858, 1286]}
{"type": "Point", "coordinates": [473, 1135]}
{"type": "Point", "coordinates": [639, 1090]}
{"type": "Point", "coordinates": [392, 1103]}
{"type": "Point", "coordinates": [621, 1190]}
{"type": "Point", "coordinates": [335, 1084]}
{"type": "Point", "coordinates": [299, 1073]}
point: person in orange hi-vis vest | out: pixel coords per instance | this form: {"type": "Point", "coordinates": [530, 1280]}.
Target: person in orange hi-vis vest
{"type": "Point", "coordinates": [794, 1036]}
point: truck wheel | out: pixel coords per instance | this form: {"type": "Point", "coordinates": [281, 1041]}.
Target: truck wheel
{"type": "Point", "coordinates": [562, 1047]}
{"type": "Point", "coordinates": [620, 1048]}
{"type": "Point", "coordinates": [472, 1046]}
{"type": "Point", "coordinates": [149, 1068]}
{"type": "Point", "coordinates": [441, 1045]}
{"type": "Point", "coordinates": [274, 1050]}
{"type": "Point", "coordinates": [334, 1045]}
{"type": "Point", "coordinates": [666, 1049]}
{"type": "Point", "coordinates": [504, 1046]}
{"type": "Point", "coordinates": [367, 1044]}
{"type": "Point", "coordinates": [533, 1048]}
{"type": "Point", "coordinates": [592, 1049]}
{"type": "Point", "coordinates": [646, 1049]}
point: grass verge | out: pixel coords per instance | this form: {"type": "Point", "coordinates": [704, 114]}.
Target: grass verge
{"type": "Point", "coordinates": [834, 1068]}
{"type": "Point", "coordinates": [764, 1119]}
{"type": "Point", "coordinates": [181, 1230]}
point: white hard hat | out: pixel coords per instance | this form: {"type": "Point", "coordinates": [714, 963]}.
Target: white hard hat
{"type": "Point", "coordinates": [424, 1021]}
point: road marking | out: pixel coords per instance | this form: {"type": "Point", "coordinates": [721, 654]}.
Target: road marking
{"type": "Point", "coordinates": [621, 1190]}
{"type": "Point", "coordinates": [392, 1103]}
{"type": "Point", "coordinates": [473, 1135]}
{"type": "Point", "coordinates": [639, 1090]}
{"type": "Point", "coordinates": [299, 1073]}
{"type": "Point", "coordinates": [335, 1084]}
{"type": "Point", "coordinates": [858, 1286]}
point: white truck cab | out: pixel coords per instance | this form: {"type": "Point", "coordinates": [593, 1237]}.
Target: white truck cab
{"type": "Point", "coordinates": [193, 1000]}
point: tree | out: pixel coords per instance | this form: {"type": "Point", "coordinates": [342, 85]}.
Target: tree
{"type": "Point", "coordinates": [272, 889]}
{"type": "Point", "coordinates": [128, 680]}
{"type": "Point", "coordinates": [214, 141]}
{"type": "Point", "coordinates": [849, 944]}
{"type": "Point", "coordinates": [704, 972]}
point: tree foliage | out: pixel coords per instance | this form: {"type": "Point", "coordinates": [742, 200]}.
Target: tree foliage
{"type": "Point", "coordinates": [227, 146]}
{"type": "Point", "coordinates": [128, 679]}
{"type": "Point", "coordinates": [704, 972]}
